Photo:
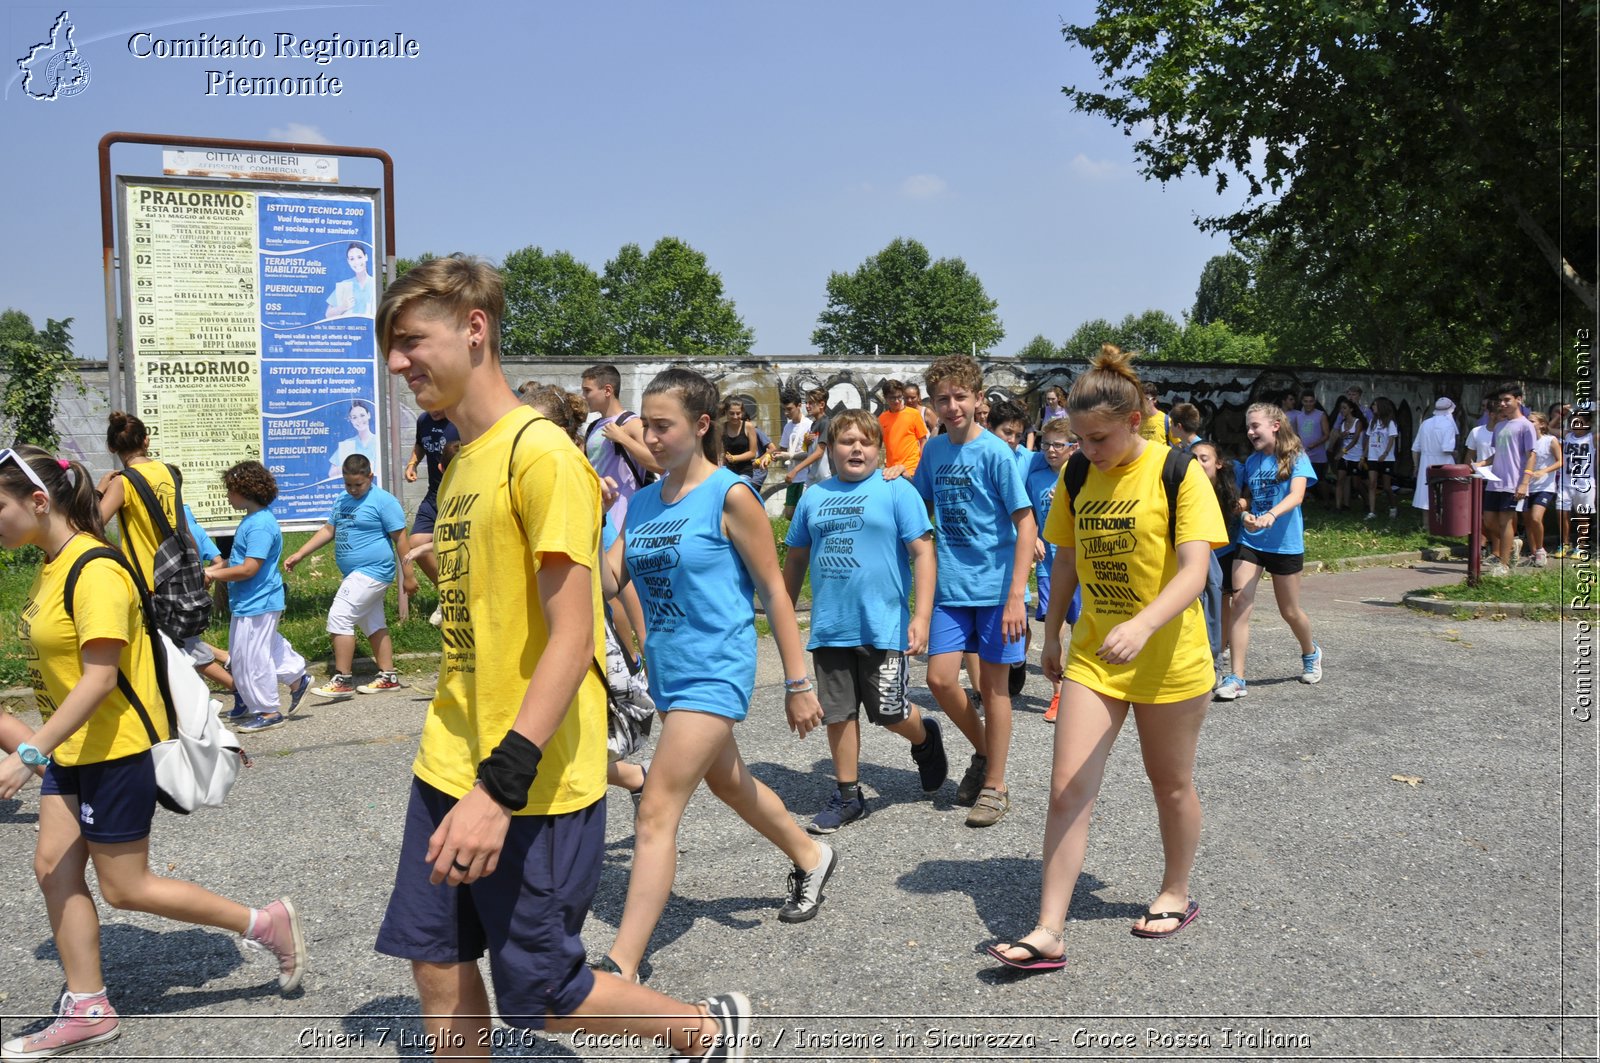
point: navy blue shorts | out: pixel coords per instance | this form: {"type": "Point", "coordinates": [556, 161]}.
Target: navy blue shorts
{"type": "Point", "coordinates": [1501, 502]}
{"type": "Point", "coordinates": [528, 914]}
{"type": "Point", "coordinates": [427, 513]}
{"type": "Point", "coordinates": [1542, 498]}
{"type": "Point", "coordinates": [116, 798]}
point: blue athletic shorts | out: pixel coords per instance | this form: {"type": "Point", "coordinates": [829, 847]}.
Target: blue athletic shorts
{"type": "Point", "coordinates": [427, 513]}
{"type": "Point", "coordinates": [527, 915]}
{"type": "Point", "coordinates": [973, 629]}
{"type": "Point", "coordinates": [116, 798]}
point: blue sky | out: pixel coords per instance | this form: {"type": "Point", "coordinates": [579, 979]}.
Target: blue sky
{"type": "Point", "coordinates": [784, 142]}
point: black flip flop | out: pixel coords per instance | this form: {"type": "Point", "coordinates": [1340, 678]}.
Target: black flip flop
{"type": "Point", "coordinates": [1036, 961]}
{"type": "Point", "coordinates": [1184, 918]}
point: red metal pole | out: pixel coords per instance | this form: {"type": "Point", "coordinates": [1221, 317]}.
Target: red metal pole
{"type": "Point", "coordinates": [1475, 540]}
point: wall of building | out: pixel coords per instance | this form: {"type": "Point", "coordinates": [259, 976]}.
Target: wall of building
{"type": "Point", "coordinates": [1221, 392]}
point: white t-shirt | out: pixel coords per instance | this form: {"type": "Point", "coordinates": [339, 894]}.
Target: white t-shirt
{"type": "Point", "coordinates": [1544, 453]}
{"type": "Point", "coordinates": [1381, 439]}
{"type": "Point", "coordinates": [1481, 442]}
{"type": "Point", "coordinates": [792, 441]}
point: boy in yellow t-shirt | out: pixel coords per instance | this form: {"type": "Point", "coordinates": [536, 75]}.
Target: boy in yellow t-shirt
{"type": "Point", "coordinates": [506, 806]}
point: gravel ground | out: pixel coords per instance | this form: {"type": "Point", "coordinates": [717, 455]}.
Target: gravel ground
{"type": "Point", "coordinates": [1345, 912]}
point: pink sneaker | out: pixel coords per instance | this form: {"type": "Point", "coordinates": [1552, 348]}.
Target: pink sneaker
{"type": "Point", "coordinates": [278, 931]}
{"type": "Point", "coordinates": [79, 1024]}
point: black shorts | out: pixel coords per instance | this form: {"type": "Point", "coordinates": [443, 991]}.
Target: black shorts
{"type": "Point", "coordinates": [427, 513]}
{"type": "Point", "coordinates": [1351, 467]}
{"type": "Point", "coordinates": [1226, 561]}
{"type": "Point", "coordinates": [1381, 468]}
{"type": "Point", "coordinates": [1501, 502]}
{"type": "Point", "coordinates": [1272, 564]}
{"type": "Point", "coordinates": [850, 677]}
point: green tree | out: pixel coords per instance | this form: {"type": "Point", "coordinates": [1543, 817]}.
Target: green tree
{"type": "Point", "coordinates": [1419, 157]}
{"type": "Point", "coordinates": [669, 302]}
{"type": "Point", "coordinates": [404, 265]}
{"type": "Point", "coordinates": [1039, 349]}
{"type": "Point", "coordinates": [1217, 344]}
{"type": "Point", "coordinates": [37, 365]}
{"type": "Point", "coordinates": [1087, 339]}
{"type": "Point", "coordinates": [1149, 333]}
{"type": "Point", "coordinates": [553, 307]}
{"type": "Point", "coordinates": [901, 302]}
{"type": "Point", "coordinates": [1224, 289]}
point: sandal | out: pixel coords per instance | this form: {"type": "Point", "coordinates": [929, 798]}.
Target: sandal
{"type": "Point", "coordinates": [1036, 961]}
{"type": "Point", "coordinates": [1184, 918]}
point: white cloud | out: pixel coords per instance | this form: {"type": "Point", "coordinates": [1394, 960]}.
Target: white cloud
{"type": "Point", "coordinates": [1093, 169]}
{"type": "Point", "coordinates": [924, 186]}
{"type": "Point", "coordinates": [299, 133]}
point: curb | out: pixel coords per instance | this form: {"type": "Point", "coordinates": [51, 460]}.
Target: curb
{"type": "Point", "coordinates": [1482, 610]}
{"type": "Point", "coordinates": [1403, 559]}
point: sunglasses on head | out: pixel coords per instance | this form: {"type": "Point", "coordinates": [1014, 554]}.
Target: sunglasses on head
{"type": "Point", "coordinates": [11, 455]}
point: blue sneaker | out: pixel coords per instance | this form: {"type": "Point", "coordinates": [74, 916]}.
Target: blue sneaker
{"type": "Point", "coordinates": [1231, 688]}
{"type": "Point", "coordinates": [1311, 665]}
{"type": "Point", "coordinates": [260, 722]}
{"type": "Point", "coordinates": [238, 712]}
{"type": "Point", "coordinates": [839, 812]}
{"type": "Point", "coordinates": [297, 692]}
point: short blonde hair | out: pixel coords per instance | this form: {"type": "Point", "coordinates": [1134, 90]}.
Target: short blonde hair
{"type": "Point", "coordinates": [860, 420]}
{"type": "Point", "coordinates": [450, 287]}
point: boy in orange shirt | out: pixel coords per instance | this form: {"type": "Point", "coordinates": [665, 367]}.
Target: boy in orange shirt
{"type": "Point", "coordinates": [904, 430]}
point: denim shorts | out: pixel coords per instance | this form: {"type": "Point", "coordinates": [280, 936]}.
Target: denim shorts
{"type": "Point", "coordinates": [973, 629]}
{"type": "Point", "coordinates": [116, 798]}
{"type": "Point", "coordinates": [528, 915]}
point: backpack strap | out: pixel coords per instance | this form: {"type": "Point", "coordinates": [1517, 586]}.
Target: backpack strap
{"type": "Point", "coordinates": [595, 664]}
{"type": "Point", "coordinates": [158, 517]}
{"type": "Point", "coordinates": [1173, 470]}
{"type": "Point", "coordinates": [622, 452]}
{"type": "Point", "coordinates": [159, 651]}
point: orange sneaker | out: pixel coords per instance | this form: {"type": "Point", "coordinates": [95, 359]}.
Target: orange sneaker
{"type": "Point", "coordinates": [1055, 706]}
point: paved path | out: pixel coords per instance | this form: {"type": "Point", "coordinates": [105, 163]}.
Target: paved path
{"type": "Point", "coordinates": [1344, 913]}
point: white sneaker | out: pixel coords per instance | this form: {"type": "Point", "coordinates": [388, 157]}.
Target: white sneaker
{"type": "Point", "coordinates": [438, 616]}
{"type": "Point", "coordinates": [1495, 568]}
{"type": "Point", "coordinates": [1541, 559]}
{"type": "Point", "coordinates": [1311, 665]}
{"type": "Point", "coordinates": [1393, 513]}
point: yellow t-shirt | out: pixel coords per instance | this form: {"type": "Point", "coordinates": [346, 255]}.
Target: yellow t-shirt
{"type": "Point", "coordinates": [1124, 560]}
{"type": "Point", "coordinates": [105, 606]}
{"type": "Point", "coordinates": [139, 539]}
{"type": "Point", "coordinates": [494, 628]}
{"type": "Point", "coordinates": [1158, 428]}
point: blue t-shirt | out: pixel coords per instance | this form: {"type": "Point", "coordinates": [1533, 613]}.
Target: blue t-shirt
{"type": "Point", "coordinates": [202, 541]}
{"type": "Point", "coordinates": [860, 568]}
{"type": "Point", "coordinates": [257, 536]}
{"type": "Point", "coordinates": [432, 437]}
{"type": "Point", "coordinates": [1258, 474]}
{"type": "Point", "coordinates": [975, 488]}
{"type": "Point", "coordinates": [696, 594]}
{"type": "Point", "coordinates": [1041, 481]}
{"type": "Point", "coordinates": [362, 528]}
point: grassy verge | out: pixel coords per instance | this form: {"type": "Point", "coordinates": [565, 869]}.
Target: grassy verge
{"type": "Point", "coordinates": [1335, 536]}
{"type": "Point", "coordinates": [1546, 589]}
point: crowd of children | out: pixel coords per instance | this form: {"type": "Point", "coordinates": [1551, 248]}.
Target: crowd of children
{"type": "Point", "coordinates": [914, 532]}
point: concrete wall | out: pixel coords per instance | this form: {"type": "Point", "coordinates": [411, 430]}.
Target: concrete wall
{"type": "Point", "coordinates": [1221, 392]}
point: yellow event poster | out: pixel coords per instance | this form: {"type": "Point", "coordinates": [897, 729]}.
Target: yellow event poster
{"type": "Point", "coordinates": [195, 332]}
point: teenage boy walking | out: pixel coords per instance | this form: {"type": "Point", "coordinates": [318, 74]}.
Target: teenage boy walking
{"type": "Point", "coordinates": [858, 535]}
{"type": "Point", "coordinates": [1514, 441]}
{"type": "Point", "coordinates": [984, 547]}
{"type": "Point", "coordinates": [505, 833]}
{"type": "Point", "coordinates": [367, 529]}
{"type": "Point", "coordinates": [614, 441]}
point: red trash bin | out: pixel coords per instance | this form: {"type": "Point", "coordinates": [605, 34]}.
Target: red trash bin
{"type": "Point", "coordinates": [1450, 500]}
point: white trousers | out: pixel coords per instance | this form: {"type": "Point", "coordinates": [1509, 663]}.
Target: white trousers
{"type": "Point", "coordinates": [261, 659]}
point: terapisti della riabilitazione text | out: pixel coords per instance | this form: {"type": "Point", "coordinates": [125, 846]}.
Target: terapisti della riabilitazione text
{"type": "Point", "coordinates": [280, 46]}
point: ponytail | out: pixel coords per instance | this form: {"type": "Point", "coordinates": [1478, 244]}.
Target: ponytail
{"type": "Point", "coordinates": [1110, 388]}
{"type": "Point", "coordinates": [699, 398]}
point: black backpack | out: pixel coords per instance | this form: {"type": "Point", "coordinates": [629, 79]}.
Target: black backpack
{"type": "Point", "coordinates": [640, 476]}
{"type": "Point", "coordinates": [1173, 470]}
{"type": "Point", "coordinates": [179, 603]}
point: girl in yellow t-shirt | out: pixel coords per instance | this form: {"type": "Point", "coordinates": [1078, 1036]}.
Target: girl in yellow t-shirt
{"type": "Point", "coordinates": [98, 794]}
{"type": "Point", "coordinates": [1140, 641]}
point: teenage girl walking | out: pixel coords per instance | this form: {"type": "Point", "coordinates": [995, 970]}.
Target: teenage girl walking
{"type": "Point", "coordinates": [1383, 438]}
{"type": "Point", "coordinates": [1543, 482]}
{"type": "Point", "coordinates": [696, 544]}
{"type": "Point", "coordinates": [98, 796]}
{"type": "Point", "coordinates": [1272, 485]}
{"type": "Point", "coordinates": [1348, 451]}
{"type": "Point", "coordinates": [1218, 597]}
{"type": "Point", "coordinates": [1143, 646]}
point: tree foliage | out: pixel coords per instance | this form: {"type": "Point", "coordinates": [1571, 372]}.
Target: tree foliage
{"type": "Point", "coordinates": [1087, 338]}
{"type": "Point", "coordinates": [1039, 349]}
{"type": "Point", "coordinates": [37, 365]}
{"type": "Point", "coordinates": [669, 302]}
{"type": "Point", "coordinates": [1224, 287]}
{"type": "Point", "coordinates": [900, 301]}
{"type": "Point", "coordinates": [1426, 168]}
{"type": "Point", "coordinates": [553, 308]}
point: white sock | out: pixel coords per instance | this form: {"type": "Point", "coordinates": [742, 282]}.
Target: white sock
{"type": "Point", "coordinates": [250, 931]}
{"type": "Point", "coordinates": [82, 997]}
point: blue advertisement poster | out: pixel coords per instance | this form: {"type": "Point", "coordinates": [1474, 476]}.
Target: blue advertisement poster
{"type": "Point", "coordinates": [320, 377]}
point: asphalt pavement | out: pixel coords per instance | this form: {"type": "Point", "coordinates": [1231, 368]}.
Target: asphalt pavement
{"type": "Point", "coordinates": [1398, 862]}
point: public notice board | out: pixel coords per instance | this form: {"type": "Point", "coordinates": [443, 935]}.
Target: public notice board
{"type": "Point", "coordinates": [250, 320]}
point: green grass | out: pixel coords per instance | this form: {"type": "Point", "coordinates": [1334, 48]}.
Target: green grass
{"type": "Point", "coordinates": [1548, 588]}
{"type": "Point", "coordinates": [308, 590]}
{"type": "Point", "coordinates": [1335, 536]}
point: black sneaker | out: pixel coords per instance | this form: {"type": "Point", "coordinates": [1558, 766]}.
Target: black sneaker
{"type": "Point", "coordinates": [972, 781]}
{"type": "Point", "coordinates": [933, 767]}
{"type": "Point", "coordinates": [805, 891]}
{"type": "Point", "coordinates": [1018, 676]}
{"type": "Point", "coordinates": [731, 1012]}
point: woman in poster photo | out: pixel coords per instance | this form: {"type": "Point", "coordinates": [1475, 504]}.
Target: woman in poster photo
{"type": "Point", "coordinates": [365, 441]}
{"type": "Point", "coordinates": [354, 297]}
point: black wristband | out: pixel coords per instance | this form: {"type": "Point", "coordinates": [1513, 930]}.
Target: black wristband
{"type": "Point", "coordinates": [507, 774]}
